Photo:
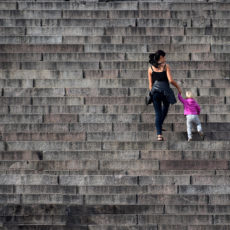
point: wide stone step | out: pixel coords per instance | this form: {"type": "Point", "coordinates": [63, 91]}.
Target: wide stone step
{"type": "Point", "coordinates": [133, 136]}
{"type": "Point", "coordinates": [28, 179]}
{"type": "Point", "coordinates": [57, 209]}
{"type": "Point", "coordinates": [59, 0]}
{"type": "Point", "coordinates": [149, 14]}
{"type": "Point", "coordinates": [41, 48]}
{"type": "Point", "coordinates": [114, 118]}
{"type": "Point", "coordinates": [58, 165]}
{"type": "Point", "coordinates": [106, 86]}
{"type": "Point", "coordinates": [143, 164]}
{"type": "Point", "coordinates": [72, 155]}
{"type": "Point", "coordinates": [149, 5]}
{"type": "Point", "coordinates": [217, 87]}
{"type": "Point", "coordinates": [93, 119]}
{"type": "Point", "coordinates": [112, 31]}
{"type": "Point", "coordinates": [208, 127]}
{"type": "Point", "coordinates": [105, 118]}
{"type": "Point", "coordinates": [188, 22]}
{"type": "Point", "coordinates": [145, 199]}
{"type": "Point", "coordinates": [179, 118]}
{"type": "Point", "coordinates": [41, 199]}
{"type": "Point", "coordinates": [57, 227]}
{"type": "Point", "coordinates": [112, 146]}
{"type": "Point", "coordinates": [167, 155]}
{"type": "Point", "coordinates": [118, 5]}
{"type": "Point", "coordinates": [41, 101]}
{"type": "Point", "coordinates": [8, 5]}
{"type": "Point", "coordinates": [113, 227]}
{"type": "Point", "coordinates": [22, 118]}
{"type": "Point", "coordinates": [208, 31]}
{"type": "Point", "coordinates": [114, 109]}
{"type": "Point", "coordinates": [132, 22]}
{"type": "Point", "coordinates": [173, 31]}
{"type": "Point", "coordinates": [205, 65]}
{"type": "Point", "coordinates": [129, 189]}
{"type": "Point", "coordinates": [111, 199]}
{"type": "Point", "coordinates": [63, 57]}
{"type": "Point", "coordinates": [114, 172]}
{"type": "Point", "coordinates": [94, 190]}
{"type": "Point", "coordinates": [108, 74]}
{"type": "Point", "coordinates": [49, 74]}
{"type": "Point", "coordinates": [61, 127]}
{"type": "Point", "coordinates": [49, 136]}
{"type": "Point", "coordinates": [165, 179]}
{"type": "Point", "coordinates": [37, 14]}
{"type": "Point", "coordinates": [112, 14]}
{"type": "Point", "coordinates": [131, 48]}
{"type": "Point", "coordinates": [194, 180]}
{"type": "Point", "coordinates": [109, 87]}
{"type": "Point", "coordinates": [111, 136]}
{"type": "Point", "coordinates": [76, 22]}
{"type": "Point", "coordinates": [44, 167]}
{"type": "Point", "coordinates": [114, 155]}
{"type": "Point", "coordinates": [20, 210]}
{"type": "Point", "coordinates": [118, 83]}
{"type": "Point", "coordinates": [114, 219]}
{"type": "Point", "coordinates": [78, 5]}
{"type": "Point", "coordinates": [75, 226]}
{"type": "Point", "coordinates": [13, 179]}
{"type": "Point", "coordinates": [31, 39]}
{"type": "Point", "coordinates": [109, 56]}
{"type": "Point", "coordinates": [127, 155]}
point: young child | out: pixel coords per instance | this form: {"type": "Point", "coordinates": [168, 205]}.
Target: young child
{"type": "Point", "coordinates": [191, 110]}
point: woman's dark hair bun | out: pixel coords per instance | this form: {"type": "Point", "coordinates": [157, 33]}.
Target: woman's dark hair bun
{"type": "Point", "coordinates": [152, 58]}
{"type": "Point", "coordinates": [155, 57]}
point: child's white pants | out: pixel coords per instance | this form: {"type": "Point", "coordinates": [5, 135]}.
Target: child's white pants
{"type": "Point", "coordinates": [193, 119]}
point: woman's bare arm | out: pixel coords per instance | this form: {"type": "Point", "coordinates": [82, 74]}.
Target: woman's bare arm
{"type": "Point", "coordinates": [150, 78]}
{"type": "Point", "coordinates": [169, 75]}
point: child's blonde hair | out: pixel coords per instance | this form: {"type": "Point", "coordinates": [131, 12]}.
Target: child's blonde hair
{"type": "Point", "coordinates": [189, 94]}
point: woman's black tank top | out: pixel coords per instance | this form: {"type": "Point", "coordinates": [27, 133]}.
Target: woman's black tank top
{"type": "Point", "coordinates": [159, 76]}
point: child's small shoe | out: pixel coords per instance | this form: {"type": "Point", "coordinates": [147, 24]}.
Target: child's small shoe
{"type": "Point", "coordinates": [189, 139]}
{"type": "Point", "coordinates": [201, 135]}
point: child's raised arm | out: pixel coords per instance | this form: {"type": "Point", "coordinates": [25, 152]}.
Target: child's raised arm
{"type": "Point", "coordinates": [181, 98]}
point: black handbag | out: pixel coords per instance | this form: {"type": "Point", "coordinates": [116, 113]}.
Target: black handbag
{"type": "Point", "coordinates": [148, 99]}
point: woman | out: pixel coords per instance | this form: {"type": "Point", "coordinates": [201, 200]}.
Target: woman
{"type": "Point", "coordinates": [159, 76]}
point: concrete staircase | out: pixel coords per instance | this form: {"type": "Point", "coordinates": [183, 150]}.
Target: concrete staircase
{"type": "Point", "coordinates": [78, 146]}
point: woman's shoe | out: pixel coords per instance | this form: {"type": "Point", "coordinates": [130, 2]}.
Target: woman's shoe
{"type": "Point", "coordinates": [160, 138]}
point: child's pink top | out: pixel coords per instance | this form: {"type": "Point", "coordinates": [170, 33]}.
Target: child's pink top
{"type": "Point", "coordinates": [191, 107]}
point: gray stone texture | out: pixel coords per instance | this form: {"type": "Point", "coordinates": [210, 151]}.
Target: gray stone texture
{"type": "Point", "coordinates": [78, 148]}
